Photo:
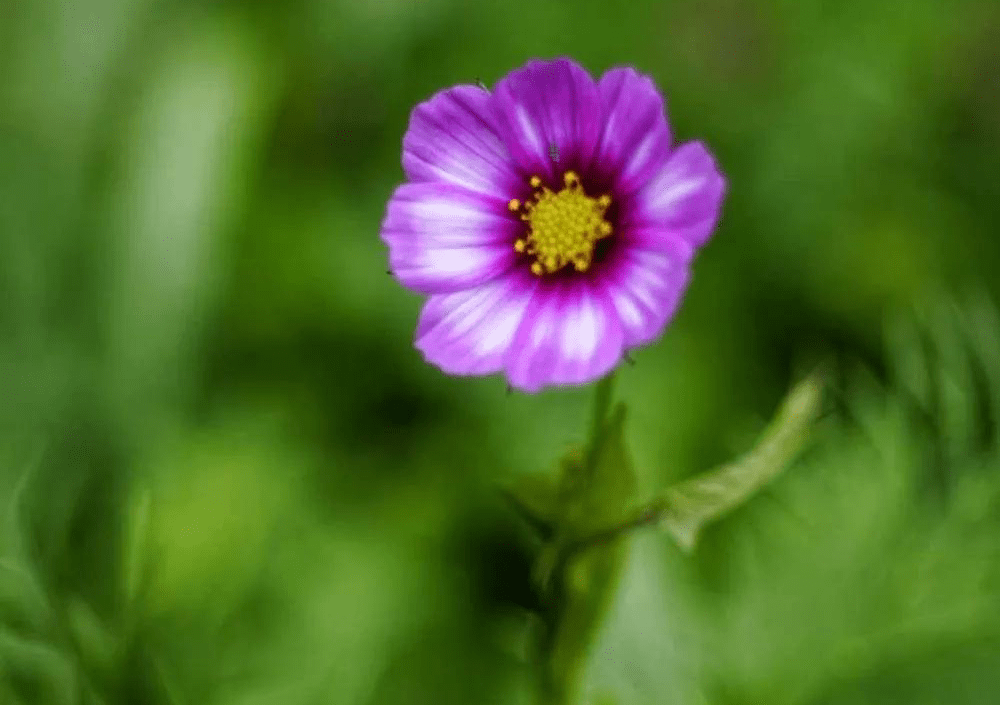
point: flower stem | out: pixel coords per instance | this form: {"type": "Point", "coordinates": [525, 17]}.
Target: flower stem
{"type": "Point", "coordinates": [560, 664]}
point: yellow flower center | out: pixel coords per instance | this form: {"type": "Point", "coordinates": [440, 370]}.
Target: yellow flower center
{"type": "Point", "coordinates": [563, 227]}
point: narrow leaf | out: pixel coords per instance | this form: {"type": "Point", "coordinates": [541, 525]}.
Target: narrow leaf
{"type": "Point", "coordinates": [36, 671]}
{"type": "Point", "coordinates": [535, 497]}
{"type": "Point", "coordinates": [96, 645]}
{"type": "Point", "coordinates": [690, 505]}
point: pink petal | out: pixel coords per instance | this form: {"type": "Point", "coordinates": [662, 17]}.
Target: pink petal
{"type": "Point", "coordinates": [549, 105]}
{"type": "Point", "coordinates": [453, 138]}
{"type": "Point", "coordinates": [635, 139]}
{"type": "Point", "coordinates": [645, 288]}
{"type": "Point", "coordinates": [684, 197]}
{"type": "Point", "coordinates": [569, 335]}
{"type": "Point", "coordinates": [471, 332]}
{"type": "Point", "coordinates": [443, 238]}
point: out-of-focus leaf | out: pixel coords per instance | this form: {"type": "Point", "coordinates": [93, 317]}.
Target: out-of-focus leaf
{"type": "Point", "coordinates": [536, 499]}
{"type": "Point", "coordinates": [37, 672]}
{"type": "Point", "coordinates": [138, 561]}
{"type": "Point", "coordinates": [690, 505]}
{"type": "Point", "coordinates": [184, 175]}
{"type": "Point", "coordinates": [23, 607]}
{"type": "Point", "coordinates": [96, 645]}
{"type": "Point", "coordinates": [943, 361]}
{"type": "Point", "coordinates": [15, 544]}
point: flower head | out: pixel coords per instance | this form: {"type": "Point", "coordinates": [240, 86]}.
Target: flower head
{"type": "Point", "coordinates": [551, 222]}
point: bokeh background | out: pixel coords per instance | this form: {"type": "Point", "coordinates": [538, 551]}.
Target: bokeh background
{"type": "Point", "coordinates": [227, 478]}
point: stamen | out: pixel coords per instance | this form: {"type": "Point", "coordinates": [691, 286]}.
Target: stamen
{"type": "Point", "coordinates": [563, 227]}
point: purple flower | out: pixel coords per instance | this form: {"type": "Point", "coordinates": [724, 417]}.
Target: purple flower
{"type": "Point", "coordinates": [551, 222]}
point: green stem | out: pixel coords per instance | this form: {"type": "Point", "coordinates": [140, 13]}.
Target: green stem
{"type": "Point", "coordinates": [557, 686]}
{"type": "Point", "coordinates": [554, 554]}
{"type": "Point", "coordinates": [642, 517]}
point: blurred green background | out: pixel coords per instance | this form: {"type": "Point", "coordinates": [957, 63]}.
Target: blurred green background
{"type": "Point", "coordinates": [228, 478]}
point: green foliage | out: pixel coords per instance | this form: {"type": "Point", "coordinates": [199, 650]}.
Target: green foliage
{"type": "Point", "coordinates": [866, 574]}
{"type": "Point", "coordinates": [226, 477]}
{"type": "Point", "coordinates": [688, 506]}
{"type": "Point", "coordinates": [585, 515]}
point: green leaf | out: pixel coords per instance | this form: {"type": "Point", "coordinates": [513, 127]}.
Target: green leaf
{"type": "Point", "coordinates": [690, 505]}
{"type": "Point", "coordinates": [36, 672]}
{"type": "Point", "coordinates": [23, 604]}
{"type": "Point", "coordinates": [138, 562]}
{"type": "Point", "coordinates": [535, 497]}
{"type": "Point", "coordinates": [97, 646]}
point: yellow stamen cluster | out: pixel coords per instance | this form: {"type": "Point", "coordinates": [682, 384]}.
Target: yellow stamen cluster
{"type": "Point", "coordinates": [563, 227]}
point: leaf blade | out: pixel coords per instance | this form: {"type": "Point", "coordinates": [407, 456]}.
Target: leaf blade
{"type": "Point", "coordinates": [691, 505]}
